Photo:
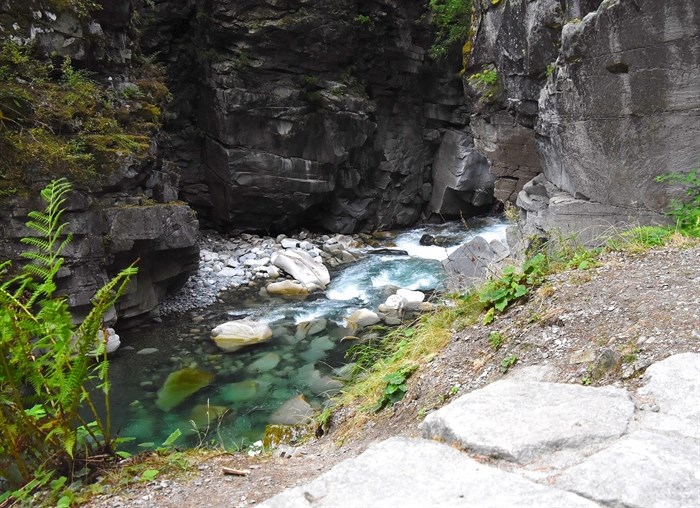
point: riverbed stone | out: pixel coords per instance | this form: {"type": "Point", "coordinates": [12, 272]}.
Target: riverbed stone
{"type": "Point", "coordinates": [233, 335]}
{"type": "Point", "coordinates": [521, 421]}
{"type": "Point", "coordinates": [266, 362]}
{"type": "Point", "coordinates": [361, 318]}
{"type": "Point", "coordinates": [237, 392]}
{"type": "Point", "coordinates": [295, 411]}
{"type": "Point", "coordinates": [413, 299]}
{"type": "Point", "coordinates": [416, 472]}
{"type": "Point", "coordinates": [304, 268]}
{"type": "Point", "coordinates": [311, 327]}
{"type": "Point", "coordinates": [644, 469]}
{"type": "Point", "coordinates": [181, 384]}
{"type": "Point", "coordinates": [287, 288]}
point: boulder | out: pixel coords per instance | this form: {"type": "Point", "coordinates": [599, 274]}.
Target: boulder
{"type": "Point", "coordinates": [470, 263]}
{"type": "Point", "coordinates": [233, 335]}
{"type": "Point", "coordinates": [181, 384]}
{"type": "Point", "coordinates": [361, 318]}
{"type": "Point", "coordinates": [287, 288]}
{"type": "Point", "coordinates": [305, 269]}
{"type": "Point", "coordinates": [295, 411]}
{"type": "Point", "coordinates": [412, 299]}
{"type": "Point", "coordinates": [207, 415]}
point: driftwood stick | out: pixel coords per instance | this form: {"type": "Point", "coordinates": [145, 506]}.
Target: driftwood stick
{"type": "Point", "coordinates": [235, 472]}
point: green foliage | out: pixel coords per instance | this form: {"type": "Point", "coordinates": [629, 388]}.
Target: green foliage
{"type": "Point", "coordinates": [508, 362]}
{"type": "Point", "coordinates": [396, 386]}
{"type": "Point", "coordinates": [57, 121]}
{"type": "Point", "coordinates": [513, 285]}
{"type": "Point", "coordinates": [486, 84]}
{"type": "Point", "coordinates": [639, 239]}
{"type": "Point", "coordinates": [496, 340]}
{"type": "Point", "coordinates": [48, 412]}
{"type": "Point", "coordinates": [452, 19]}
{"type": "Point", "coordinates": [550, 69]}
{"type": "Point", "coordinates": [363, 20]}
{"type": "Point", "coordinates": [487, 77]}
{"type": "Point", "coordinates": [686, 210]}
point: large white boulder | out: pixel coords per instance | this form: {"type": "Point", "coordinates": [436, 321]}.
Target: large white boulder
{"type": "Point", "coordinates": [413, 299]}
{"type": "Point", "coordinates": [287, 288]}
{"type": "Point", "coordinates": [233, 335]}
{"type": "Point", "coordinates": [304, 268]}
{"type": "Point", "coordinates": [361, 318]}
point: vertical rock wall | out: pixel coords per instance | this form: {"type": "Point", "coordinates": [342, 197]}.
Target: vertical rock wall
{"type": "Point", "coordinates": [324, 114]}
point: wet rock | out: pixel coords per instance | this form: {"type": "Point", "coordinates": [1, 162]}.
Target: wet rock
{"type": "Point", "coordinates": [295, 411]}
{"type": "Point", "coordinates": [305, 269]}
{"type": "Point", "coordinates": [361, 318]}
{"type": "Point", "coordinates": [180, 385]}
{"type": "Point", "coordinates": [470, 263]}
{"type": "Point", "coordinates": [238, 392]}
{"type": "Point", "coordinates": [311, 327]}
{"type": "Point", "coordinates": [287, 288]}
{"type": "Point", "coordinates": [233, 335]}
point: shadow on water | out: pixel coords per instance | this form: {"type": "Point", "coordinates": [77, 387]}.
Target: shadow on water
{"type": "Point", "coordinates": [241, 390]}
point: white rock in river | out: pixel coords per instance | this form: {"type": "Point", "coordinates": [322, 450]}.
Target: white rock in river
{"type": "Point", "coordinates": [234, 335]}
{"type": "Point", "coordinates": [108, 337]}
{"type": "Point", "coordinates": [413, 298]}
{"type": "Point", "coordinates": [300, 265]}
{"type": "Point", "coordinates": [361, 318]}
{"type": "Point", "coordinates": [287, 288]}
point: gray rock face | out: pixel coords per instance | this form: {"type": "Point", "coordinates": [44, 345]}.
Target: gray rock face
{"type": "Point", "coordinates": [414, 472]}
{"type": "Point", "coordinates": [470, 263]}
{"type": "Point", "coordinates": [111, 233]}
{"type": "Point", "coordinates": [308, 116]}
{"type": "Point", "coordinates": [533, 419]}
{"type": "Point", "coordinates": [608, 147]}
{"type": "Point", "coordinates": [662, 386]}
{"type": "Point", "coordinates": [461, 177]}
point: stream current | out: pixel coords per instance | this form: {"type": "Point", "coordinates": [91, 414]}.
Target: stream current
{"type": "Point", "coordinates": [247, 387]}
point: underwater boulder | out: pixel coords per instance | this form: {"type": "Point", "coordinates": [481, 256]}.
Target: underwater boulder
{"type": "Point", "coordinates": [203, 415]}
{"type": "Point", "coordinates": [295, 411]}
{"type": "Point", "coordinates": [181, 384]}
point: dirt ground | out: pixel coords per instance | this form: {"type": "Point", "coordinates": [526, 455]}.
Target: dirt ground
{"type": "Point", "coordinates": [600, 326]}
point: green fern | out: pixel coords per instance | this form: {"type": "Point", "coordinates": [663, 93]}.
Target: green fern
{"type": "Point", "coordinates": [46, 363]}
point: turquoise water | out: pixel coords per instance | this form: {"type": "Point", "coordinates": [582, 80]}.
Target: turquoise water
{"type": "Point", "coordinates": [246, 388]}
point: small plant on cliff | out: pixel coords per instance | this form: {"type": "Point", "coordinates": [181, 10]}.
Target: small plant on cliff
{"type": "Point", "coordinates": [686, 210]}
{"type": "Point", "coordinates": [452, 19]}
{"type": "Point", "coordinates": [50, 380]}
{"type": "Point", "coordinates": [512, 285]}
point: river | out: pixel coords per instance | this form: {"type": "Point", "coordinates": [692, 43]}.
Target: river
{"type": "Point", "coordinates": [243, 389]}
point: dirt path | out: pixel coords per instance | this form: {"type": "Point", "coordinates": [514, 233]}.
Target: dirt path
{"type": "Point", "coordinates": [599, 326]}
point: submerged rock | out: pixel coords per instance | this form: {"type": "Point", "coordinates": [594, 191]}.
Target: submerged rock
{"type": "Point", "coordinates": [180, 385]}
{"type": "Point", "coordinates": [233, 335]}
{"type": "Point", "coordinates": [243, 390]}
{"type": "Point", "coordinates": [204, 415]}
{"type": "Point", "coordinates": [266, 362]}
{"type": "Point", "coordinates": [295, 411]}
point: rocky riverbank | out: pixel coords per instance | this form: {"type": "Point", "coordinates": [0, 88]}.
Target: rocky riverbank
{"type": "Point", "coordinates": [231, 262]}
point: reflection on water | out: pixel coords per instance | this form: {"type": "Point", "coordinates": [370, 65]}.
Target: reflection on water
{"type": "Point", "coordinates": [243, 389]}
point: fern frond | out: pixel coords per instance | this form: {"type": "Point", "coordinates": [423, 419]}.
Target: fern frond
{"type": "Point", "coordinates": [42, 244]}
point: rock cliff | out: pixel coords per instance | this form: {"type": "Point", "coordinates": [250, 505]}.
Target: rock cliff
{"type": "Point", "coordinates": [85, 68]}
{"type": "Point", "coordinates": [327, 114]}
{"type": "Point", "coordinates": [598, 97]}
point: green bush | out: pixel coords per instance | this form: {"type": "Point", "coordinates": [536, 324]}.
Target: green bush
{"type": "Point", "coordinates": [51, 426]}
{"type": "Point", "coordinates": [452, 19]}
{"type": "Point", "coordinates": [497, 294]}
{"type": "Point", "coordinates": [685, 211]}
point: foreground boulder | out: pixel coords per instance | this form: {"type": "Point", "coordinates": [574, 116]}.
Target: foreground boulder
{"type": "Point", "coordinates": [305, 269]}
{"type": "Point", "coordinates": [233, 335]}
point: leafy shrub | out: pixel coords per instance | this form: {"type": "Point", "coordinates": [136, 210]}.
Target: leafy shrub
{"type": "Point", "coordinates": [452, 18]}
{"type": "Point", "coordinates": [685, 211]}
{"type": "Point", "coordinates": [513, 284]}
{"type": "Point", "coordinates": [396, 386]}
{"type": "Point", "coordinates": [50, 423]}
